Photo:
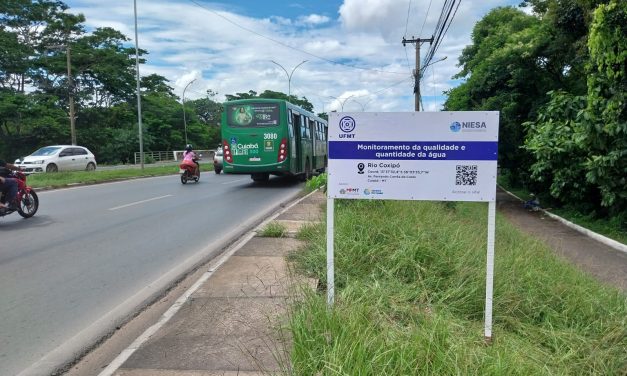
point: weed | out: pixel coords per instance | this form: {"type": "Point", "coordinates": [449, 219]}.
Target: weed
{"type": "Point", "coordinates": [273, 230]}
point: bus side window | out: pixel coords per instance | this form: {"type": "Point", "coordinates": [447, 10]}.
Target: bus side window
{"type": "Point", "coordinates": [289, 116]}
{"type": "Point", "coordinates": [303, 127]}
{"type": "Point", "coordinates": [310, 129]}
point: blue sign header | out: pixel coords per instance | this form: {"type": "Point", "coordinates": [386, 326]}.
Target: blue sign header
{"type": "Point", "coordinates": [414, 150]}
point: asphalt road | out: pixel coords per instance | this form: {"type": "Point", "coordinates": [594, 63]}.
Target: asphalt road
{"type": "Point", "coordinates": [92, 254]}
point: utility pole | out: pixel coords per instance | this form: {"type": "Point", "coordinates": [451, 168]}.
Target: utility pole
{"type": "Point", "coordinates": [71, 94]}
{"type": "Point", "coordinates": [139, 97]}
{"type": "Point", "coordinates": [418, 42]}
{"type": "Point", "coordinates": [70, 89]}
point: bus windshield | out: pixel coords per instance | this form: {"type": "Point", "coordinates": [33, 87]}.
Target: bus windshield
{"type": "Point", "coordinates": [253, 114]}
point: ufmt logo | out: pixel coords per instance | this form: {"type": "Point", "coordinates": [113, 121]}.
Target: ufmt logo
{"type": "Point", "coordinates": [347, 125]}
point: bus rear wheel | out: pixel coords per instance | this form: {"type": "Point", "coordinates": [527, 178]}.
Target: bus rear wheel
{"type": "Point", "coordinates": [260, 177]}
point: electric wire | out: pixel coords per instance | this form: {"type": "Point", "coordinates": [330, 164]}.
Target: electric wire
{"type": "Point", "coordinates": [287, 45]}
{"type": "Point", "coordinates": [405, 35]}
{"type": "Point", "coordinates": [407, 20]}
{"type": "Point", "coordinates": [425, 21]}
{"type": "Point", "coordinates": [441, 29]}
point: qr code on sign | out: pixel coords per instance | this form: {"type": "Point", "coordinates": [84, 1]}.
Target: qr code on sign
{"type": "Point", "coordinates": [466, 175]}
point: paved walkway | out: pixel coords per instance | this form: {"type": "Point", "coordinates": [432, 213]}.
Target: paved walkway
{"type": "Point", "coordinates": [231, 325]}
{"type": "Point", "coordinates": [602, 262]}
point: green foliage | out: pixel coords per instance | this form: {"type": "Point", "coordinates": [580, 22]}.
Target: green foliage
{"type": "Point", "coordinates": [606, 121]}
{"type": "Point", "coordinates": [558, 79]}
{"type": "Point", "coordinates": [316, 182]}
{"type": "Point", "coordinates": [556, 143]}
{"type": "Point", "coordinates": [502, 74]}
{"type": "Point", "coordinates": [302, 102]}
{"type": "Point", "coordinates": [410, 289]}
{"type": "Point", "coordinates": [579, 143]}
{"type": "Point", "coordinates": [273, 230]}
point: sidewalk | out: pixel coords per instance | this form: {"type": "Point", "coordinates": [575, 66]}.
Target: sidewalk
{"type": "Point", "coordinates": [595, 258]}
{"type": "Point", "coordinates": [232, 323]}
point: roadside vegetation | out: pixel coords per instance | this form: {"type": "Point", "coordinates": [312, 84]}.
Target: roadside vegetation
{"type": "Point", "coordinates": [65, 179]}
{"type": "Point", "coordinates": [316, 182]}
{"type": "Point", "coordinates": [558, 78]}
{"type": "Point", "coordinates": [273, 230]}
{"type": "Point", "coordinates": [410, 291]}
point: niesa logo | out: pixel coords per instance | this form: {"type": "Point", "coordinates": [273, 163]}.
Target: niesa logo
{"type": "Point", "coordinates": [468, 126]}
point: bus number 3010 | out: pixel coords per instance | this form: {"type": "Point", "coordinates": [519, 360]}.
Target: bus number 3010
{"type": "Point", "coordinates": [270, 136]}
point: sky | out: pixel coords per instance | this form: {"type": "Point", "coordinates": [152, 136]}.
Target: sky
{"type": "Point", "coordinates": [355, 60]}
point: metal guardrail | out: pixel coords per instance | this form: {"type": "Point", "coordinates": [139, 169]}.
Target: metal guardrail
{"type": "Point", "coordinates": [169, 156]}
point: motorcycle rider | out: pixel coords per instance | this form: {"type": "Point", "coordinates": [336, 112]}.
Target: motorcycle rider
{"type": "Point", "coordinates": [190, 155]}
{"type": "Point", "coordinates": [8, 185]}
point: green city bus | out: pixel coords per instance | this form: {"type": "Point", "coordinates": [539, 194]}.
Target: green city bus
{"type": "Point", "coordinates": [263, 137]}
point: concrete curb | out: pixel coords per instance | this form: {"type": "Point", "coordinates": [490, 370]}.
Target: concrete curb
{"type": "Point", "coordinates": [598, 237]}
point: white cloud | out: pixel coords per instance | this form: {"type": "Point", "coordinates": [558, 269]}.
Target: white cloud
{"type": "Point", "coordinates": [187, 42]}
{"type": "Point", "coordinates": [313, 19]}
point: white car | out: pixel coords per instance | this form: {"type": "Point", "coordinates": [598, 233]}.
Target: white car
{"type": "Point", "coordinates": [58, 158]}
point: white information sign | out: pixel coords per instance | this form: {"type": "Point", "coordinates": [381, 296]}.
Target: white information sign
{"type": "Point", "coordinates": [440, 156]}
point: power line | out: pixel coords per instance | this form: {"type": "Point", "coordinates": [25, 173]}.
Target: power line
{"type": "Point", "coordinates": [288, 46]}
{"type": "Point", "coordinates": [425, 21]}
{"type": "Point", "coordinates": [441, 28]}
{"type": "Point", "coordinates": [407, 20]}
{"type": "Point", "coordinates": [405, 47]}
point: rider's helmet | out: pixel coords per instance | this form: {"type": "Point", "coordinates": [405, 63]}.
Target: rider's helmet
{"type": "Point", "coordinates": [188, 147]}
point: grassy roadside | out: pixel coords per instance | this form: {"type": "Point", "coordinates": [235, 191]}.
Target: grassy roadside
{"type": "Point", "coordinates": [410, 280]}
{"type": "Point", "coordinates": [63, 179]}
{"type": "Point", "coordinates": [611, 228]}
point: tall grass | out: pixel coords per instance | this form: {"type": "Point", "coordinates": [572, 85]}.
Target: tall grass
{"type": "Point", "coordinates": [410, 290]}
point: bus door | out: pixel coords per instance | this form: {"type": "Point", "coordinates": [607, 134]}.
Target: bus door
{"type": "Point", "coordinates": [306, 141]}
{"type": "Point", "coordinates": [297, 147]}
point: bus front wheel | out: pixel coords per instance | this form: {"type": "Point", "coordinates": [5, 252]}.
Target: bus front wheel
{"type": "Point", "coordinates": [260, 177]}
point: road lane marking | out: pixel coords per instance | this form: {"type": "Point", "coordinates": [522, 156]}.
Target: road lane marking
{"type": "Point", "coordinates": [139, 202]}
{"type": "Point", "coordinates": [234, 181]}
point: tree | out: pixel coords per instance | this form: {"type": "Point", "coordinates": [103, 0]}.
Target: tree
{"type": "Point", "coordinates": [555, 142]}
{"type": "Point", "coordinates": [606, 120]}
{"type": "Point", "coordinates": [579, 143]}
{"type": "Point", "coordinates": [302, 102]}
{"type": "Point", "coordinates": [503, 73]}
{"type": "Point", "coordinates": [209, 111]}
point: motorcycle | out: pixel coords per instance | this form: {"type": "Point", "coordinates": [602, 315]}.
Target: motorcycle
{"type": "Point", "coordinates": [27, 200]}
{"type": "Point", "coordinates": [187, 171]}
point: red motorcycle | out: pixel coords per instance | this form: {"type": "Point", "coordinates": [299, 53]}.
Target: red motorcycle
{"type": "Point", "coordinates": [27, 200]}
{"type": "Point", "coordinates": [188, 172]}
